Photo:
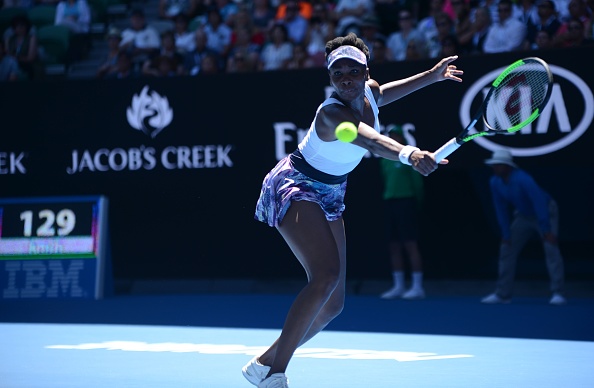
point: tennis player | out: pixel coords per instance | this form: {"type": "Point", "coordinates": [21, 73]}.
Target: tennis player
{"type": "Point", "coordinates": [303, 196]}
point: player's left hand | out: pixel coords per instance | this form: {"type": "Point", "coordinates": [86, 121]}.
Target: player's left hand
{"type": "Point", "coordinates": [445, 71]}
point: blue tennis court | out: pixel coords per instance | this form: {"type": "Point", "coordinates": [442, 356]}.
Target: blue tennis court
{"type": "Point", "coordinates": [203, 340]}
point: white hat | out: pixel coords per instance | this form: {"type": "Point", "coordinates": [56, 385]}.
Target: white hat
{"type": "Point", "coordinates": [350, 52]}
{"type": "Point", "coordinates": [501, 157]}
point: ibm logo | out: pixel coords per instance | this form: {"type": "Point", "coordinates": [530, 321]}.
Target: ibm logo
{"type": "Point", "coordinates": [42, 278]}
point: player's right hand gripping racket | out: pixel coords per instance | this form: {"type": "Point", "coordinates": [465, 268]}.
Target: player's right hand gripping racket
{"type": "Point", "coordinates": [516, 98]}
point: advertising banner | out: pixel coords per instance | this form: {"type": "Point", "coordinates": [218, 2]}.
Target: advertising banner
{"type": "Point", "coordinates": [182, 159]}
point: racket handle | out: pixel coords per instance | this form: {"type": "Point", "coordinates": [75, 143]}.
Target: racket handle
{"type": "Point", "coordinates": [446, 150]}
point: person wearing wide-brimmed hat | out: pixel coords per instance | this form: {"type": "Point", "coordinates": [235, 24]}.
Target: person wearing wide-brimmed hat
{"type": "Point", "coordinates": [535, 213]}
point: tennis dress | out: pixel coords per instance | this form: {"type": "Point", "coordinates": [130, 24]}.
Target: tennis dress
{"type": "Point", "coordinates": [317, 172]}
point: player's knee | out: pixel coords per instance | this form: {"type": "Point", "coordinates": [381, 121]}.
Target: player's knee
{"type": "Point", "coordinates": [326, 282]}
{"type": "Point", "coordinates": [334, 308]}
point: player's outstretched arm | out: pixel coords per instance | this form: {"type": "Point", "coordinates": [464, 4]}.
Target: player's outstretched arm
{"type": "Point", "coordinates": [444, 70]}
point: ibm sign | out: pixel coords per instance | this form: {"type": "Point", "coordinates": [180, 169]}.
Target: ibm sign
{"type": "Point", "coordinates": [53, 247]}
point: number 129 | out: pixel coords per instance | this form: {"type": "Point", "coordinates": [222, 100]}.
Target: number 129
{"type": "Point", "coordinates": [65, 219]}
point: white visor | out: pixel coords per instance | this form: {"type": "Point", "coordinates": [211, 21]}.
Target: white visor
{"type": "Point", "coordinates": [350, 52]}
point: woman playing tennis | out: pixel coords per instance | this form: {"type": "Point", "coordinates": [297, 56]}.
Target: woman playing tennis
{"type": "Point", "coordinates": [303, 196]}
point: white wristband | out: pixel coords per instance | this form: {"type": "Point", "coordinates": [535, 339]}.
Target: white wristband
{"type": "Point", "coordinates": [405, 153]}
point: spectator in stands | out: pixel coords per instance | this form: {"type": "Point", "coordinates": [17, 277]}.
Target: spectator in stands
{"type": "Point", "coordinates": [277, 51]}
{"type": "Point", "coordinates": [506, 35]}
{"type": "Point", "coordinates": [525, 11]}
{"type": "Point", "coordinates": [370, 31]}
{"type": "Point", "coordinates": [237, 63]}
{"type": "Point", "coordinates": [109, 65]}
{"type": "Point", "coordinates": [299, 59]}
{"type": "Point", "coordinates": [305, 9]}
{"type": "Point", "coordinates": [493, 7]}
{"type": "Point", "coordinates": [543, 41]}
{"type": "Point", "coordinates": [167, 61]}
{"type": "Point", "coordinates": [381, 52]}
{"type": "Point", "coordinates": [193, 59]}
{"type": "Point", "coordinates": [349, 13]}
{"type": "Point", "coordinates": [445, 28]}
{"type": "Point", "coordinates": [472, 41]}
{"type": "Point", "coordinates": [579, 10]}
{"type": "Point", "coordinates": [227, 10]}
{"type": "Point", "coordinates": [243, 51]}
{"type": "Point", "coordinates": [547, 21]}
{"type": "Point", "coordinates": [417, 49]}
{"type": "Point", "coordinates": [184, 38]}
{"type": "Point", "coordinates": [209, 65]}
{"type": "Point", "coordinates": [387, 12]}
{"type": "Point", "coordinates": [320, 30]}
{"type": "Point", "coordinates": [449, 46]}
{"type": "Point", "coordinates": [428, 24]}
{"type": "Point", "coordinates": [563, 12]}
{"type": "Point", "coordinates": [462, 21]}
{"type": "Point", "coordinates": [398, 41]}
{"type": "Point", "coordinates": [573, 36]}
{"type": "Point", "coordinates": [139, 39]}
{"type": "Point", "coordinates": [74, 14]}
{"type": "Point", "coordinates": [22, 44]}
{"type": "Point", "coordinates": [296, 24]}
{"type": "Point", "coordinates": [218, 33]}
{"type": "Point", "coordinates": [263, 14]}
{"type": "Point", "coordinates": [169, 9]}
{"type": "Point", "coordinates": [124, 67]}
{"type": "Point", "coordinates": [9, 67]}
{"type": "Point", "coordinates": [243, 20]}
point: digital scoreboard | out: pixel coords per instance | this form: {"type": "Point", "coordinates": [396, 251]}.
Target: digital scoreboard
{"type": "Point", "coordinates": [54, 247]}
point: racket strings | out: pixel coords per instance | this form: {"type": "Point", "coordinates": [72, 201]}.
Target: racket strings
{"type": "Point", "coordinates": [518, 97]}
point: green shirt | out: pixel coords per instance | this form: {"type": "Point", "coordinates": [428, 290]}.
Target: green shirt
{"type": "Point", "coordinates": [400, 180]}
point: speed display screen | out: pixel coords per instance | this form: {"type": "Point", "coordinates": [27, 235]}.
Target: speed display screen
{"type": "Point", "coordinates": [57, 229]}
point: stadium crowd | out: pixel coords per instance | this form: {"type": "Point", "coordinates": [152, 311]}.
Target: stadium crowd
{"type": "Point", "coordinates": [231, 36]}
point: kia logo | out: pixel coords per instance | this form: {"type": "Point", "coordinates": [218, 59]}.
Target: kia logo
{"type": "Point", "coordinates": [558, 126]}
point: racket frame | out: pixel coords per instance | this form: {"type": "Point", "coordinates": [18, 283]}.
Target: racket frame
{"type": "Point", "coordinates": [455, 143]}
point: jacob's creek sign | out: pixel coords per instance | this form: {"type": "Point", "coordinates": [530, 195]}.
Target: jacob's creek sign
{"type": "Point", "coordinates": [150, 113]}
{"type": "Point", "coordinates": [149, 158]}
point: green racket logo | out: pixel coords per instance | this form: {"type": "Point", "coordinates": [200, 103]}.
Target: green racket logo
{"type": "Point", "coordinates": [506, 72]}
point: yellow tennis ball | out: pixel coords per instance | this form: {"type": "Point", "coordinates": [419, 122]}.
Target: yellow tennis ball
{"type": "Point", "coordinates": [346, 132]}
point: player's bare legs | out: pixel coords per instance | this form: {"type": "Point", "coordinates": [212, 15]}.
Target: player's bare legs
{"type": "Point", "coordinates": [320, 247]}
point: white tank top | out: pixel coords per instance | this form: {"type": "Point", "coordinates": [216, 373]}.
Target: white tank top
{"type": "Point", "coordinates": [335, 157]}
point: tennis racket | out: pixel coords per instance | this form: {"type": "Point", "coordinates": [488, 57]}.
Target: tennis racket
{"type": "Point", "coordinates": [516, 98]}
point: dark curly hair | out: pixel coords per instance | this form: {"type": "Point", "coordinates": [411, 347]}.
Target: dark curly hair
{"type": "Point", "coordinates": [350, 40]}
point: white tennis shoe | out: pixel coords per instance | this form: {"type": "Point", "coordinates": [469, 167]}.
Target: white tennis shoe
{"type": "Point", "coordinates": [414, 293]}
{"type": "Point", "coordinates": [276, 380]}
{"type": "Point", "coordinates": [393, 293]}
{"type": "Point", "coordinates": [557, 299]}
{"type": "Point", "coordinates": [494, 299]}
{"type": "Point", "coordinates": [254, 372]}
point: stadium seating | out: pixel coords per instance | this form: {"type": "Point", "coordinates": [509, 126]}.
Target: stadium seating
{"type": "Point", "coordinates": [55, 42]}
{"type": "Point", "coordinates": [42, 15]}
